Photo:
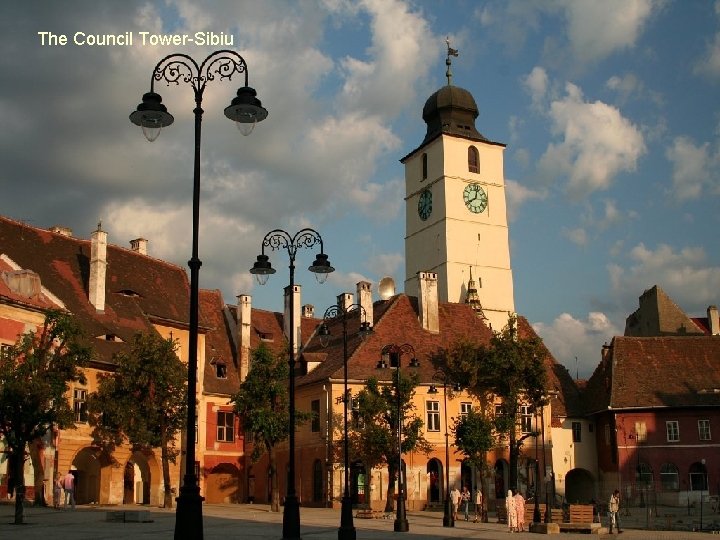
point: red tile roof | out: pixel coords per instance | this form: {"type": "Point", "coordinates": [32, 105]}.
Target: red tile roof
{"type": "Point", "coordinates": [218, 339]}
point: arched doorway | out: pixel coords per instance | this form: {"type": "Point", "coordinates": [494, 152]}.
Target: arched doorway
{"type": "Point", "coordinates": [501, 478]}
{"type": "Point", "coordinates": [222, 484]}
{"type": "Point", "coordinates": [86, 469]}
{"type": "Point", "coordinates": [318, 481]}
{"type": "Point", "coordinates": [466, 476]}
{"type": "Point", "coordinates": [137, 480]}
{"type": "Point", "coordinates": [435, 481]}
{"type": "Point", "coordinates": [358, 483]}
{"type": "Point", "coordinates": [579, 486]}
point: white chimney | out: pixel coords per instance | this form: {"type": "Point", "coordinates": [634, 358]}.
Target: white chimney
{"type": "Point", "coordinates": [296, 317]}
{"type": "Point", "coordinates": [428, 302]}
{"type": "Point", "coordinates": [364, 298]}
{"type": "Point", "coordinates": [139, 245]}
{"type": "Point", "coordinates": [244, 314]}
{"type": "Point", "coordinates": [308, 311]}
{"type": "Point", "coordinates": [98, 268]}
{"type": "Point", "coordinates": [713, 320]}
{"type": "Point", "coordinates": [344, 301]}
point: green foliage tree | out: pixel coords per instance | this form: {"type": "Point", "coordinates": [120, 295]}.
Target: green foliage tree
{"type": "Point", "coordinates": [510, 368]}
{"type": "Point", "coordinates": [262, 404]}
{"type": "Point", "coordinates": [374, 435]}
{"type": "Point", "coordinates": [35, 374]}
{"type": "Point", "coordinates": [474, 437]}
{"type": "Point", "coordinates": [143, 400]}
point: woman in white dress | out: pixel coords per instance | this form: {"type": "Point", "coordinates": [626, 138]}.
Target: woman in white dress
{"type": "Point", "coordinates": [511, 511]}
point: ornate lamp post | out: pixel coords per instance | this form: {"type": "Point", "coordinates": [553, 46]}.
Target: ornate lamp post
{"type": "Point", "coordinates": [396, 351]}
{"type": "Point", "coordinates": [448, 520]}
{"type": "Point", "coordinates": [262, 269]}
{"type": "Point", "coordinates": [347, 528]}
{"type": "Point", "coordinates": [151, 115]}
{"type": "Point", "coordinates": [536, 510]}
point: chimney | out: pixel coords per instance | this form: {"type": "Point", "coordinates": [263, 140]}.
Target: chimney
{"type": "Point", "coordinates": [98, 268]}
{"type": "Point", "coordinates": [244, 314]}
{"type": "Point", "coordinates": [286, 315]}
{"type": "Point", "coordinates": [59, 229]}
{"type": "Point", "coordinates": [428, 302]}
{"type": "Point", "coordinates": [308, 311]}
{"type": "Point", "coordinates": [713, 320]}
{"type": "Point", "coordinates": [344, 301]}
{"type": "Point", "coordinates": [139, 245]}
{"type": "Point", "coordinates": [364, 298]}
{"type": "Point", "coordinates": [606, 350]}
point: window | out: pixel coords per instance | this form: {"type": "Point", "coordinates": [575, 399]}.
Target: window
{"type": "Point", "coordinates": [669, 478]}
{"type": "Point", "coordinates": [225, 426]}
{"type": "Point", "coordinates": [80, 405]}
{"type": "Point", "coordinates": [465, 408]}
{"type": "Point", "coordinates": [704, 430]}
{"type": "Point", "coordinates": [640, 431]}
{"type": "Point", "coordinates": [221, 370]}
{"type": "Point", "coordinates": [577, 431]}
{"type": "Point", "coordinates": [644, 474]}
{"type": "Point", "coordinates": [5, 349]}
{"type": "Point", "coordinates": [424, 166]}
{"type": "Point", "coordinates": [315, 423]}
{"type": "Point", "coordinates": [433, 415]}
{"type": "Point", "coordinates": [673, 430]}
{"type": "Point", "coordinates": [473, 160]}
{"type": "Point", "coordinates": [526, 418]}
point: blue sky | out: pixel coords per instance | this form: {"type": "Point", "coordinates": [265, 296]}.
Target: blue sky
{"type": "Point", "coordinates": [609, 110]}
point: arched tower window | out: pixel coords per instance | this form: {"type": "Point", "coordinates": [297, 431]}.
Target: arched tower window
{"type": "Point", "coordinates": [473, 160]}
{"type": "Point", "coordinates": [424, 166]}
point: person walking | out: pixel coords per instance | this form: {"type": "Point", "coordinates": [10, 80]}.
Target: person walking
{"type": "Point", "coordinates": [478, 505]}
{"type": "Point", "coordinates": [455, 498]}
{"type": "Point", "coordinates": [57, 491]}
{"type": "Point", "coordinates": [511, 511]}
{"type": "Point", "coordinates": [465, 496]}
{"type": "Point", "coordinates": [520, 511]}
{"type": "Point", "coordinates": [69, 487]}
{"type": "Point", "coordinates": [614, 511]}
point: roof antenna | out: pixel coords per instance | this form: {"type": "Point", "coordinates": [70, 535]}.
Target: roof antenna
{"type": "Point", "coordinates": [448, 62]}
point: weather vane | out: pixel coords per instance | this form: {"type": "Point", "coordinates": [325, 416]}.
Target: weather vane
{"type": "Point", "coordinates": [448, 62]}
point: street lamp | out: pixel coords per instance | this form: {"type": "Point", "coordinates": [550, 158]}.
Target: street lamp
{"type": "Point", "coordinates": [536, 511]}
{"type": "Point", "coordinates": [151, 115]}
{"type": "Point", "coordinates": [448, 520]}
{"type": "Point", "coordinates": [262, 269]}
{"type": "Point", "coordinates": [396, 351]}
{"type": "Point", "coordinates": [347, 528]}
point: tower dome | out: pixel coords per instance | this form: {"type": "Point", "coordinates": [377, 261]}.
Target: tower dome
{"type": "Point", "coordinates": [452, 111]}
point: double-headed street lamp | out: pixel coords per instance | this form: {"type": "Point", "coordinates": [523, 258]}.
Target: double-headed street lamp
{"type": "Point", "coordinates": [448, 520]}
{"type": "Point", "coordinates": [262, 269]}
{"type": "Point", "coordinates": [396, 352]}
{"type": "Point", "coordinates": [347, 528]}
{"type": "Point", "coordinates": [151, 115]}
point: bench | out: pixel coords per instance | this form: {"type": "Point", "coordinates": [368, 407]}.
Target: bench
{"type": "Point", "coordinates": [556, 514]}
{"type": "Point", "coordinates": [367, 513]}
{"type": "Point", "coordinates": [582, 519]}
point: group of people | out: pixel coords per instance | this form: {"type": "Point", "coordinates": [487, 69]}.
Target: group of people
{"type": "Point", "coordinates": [461, 499]}
{"type": "Point", "coordinates": [515, 509]}
{"type": "Point", "coordinates": [64, 484]}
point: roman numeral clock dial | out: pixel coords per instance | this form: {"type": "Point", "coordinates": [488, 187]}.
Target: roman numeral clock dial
{"type": "Point", "coordinates": [475, 198]}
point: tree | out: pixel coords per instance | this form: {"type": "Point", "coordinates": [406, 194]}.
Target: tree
{"type": "Point", "coordinates": [144, 400]}
{"type": "Point", "coordinates": [511, 368]}
{"type": "Point", "coordinates": [34, 381]}
{"type": "Point", "coordinates": [262, 404]}
{"type": "Point", "coordinates": [374, 437]}
{"type": "Point", "coordinates": [474, 437]}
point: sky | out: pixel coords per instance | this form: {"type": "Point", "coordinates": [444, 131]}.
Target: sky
{"type": "Point", "coordinates": [609, 111]}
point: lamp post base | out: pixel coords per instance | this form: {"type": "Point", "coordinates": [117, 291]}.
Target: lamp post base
{"type": "Point", "coordinates": [188, 513]}
{"type": "Point", "coordinates": [448, 520]}
{"type": "Point", "coordinates": [291, 518]}
{"type": "Point", "coordinates": [401, 523]}
{"type": "Point", "coordinates": [347, 528]}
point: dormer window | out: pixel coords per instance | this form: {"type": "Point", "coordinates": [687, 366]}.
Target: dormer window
{"type": "Point", "coordinates": [473, 160]}
{"type": "Point", "coordinates": [220, 368]}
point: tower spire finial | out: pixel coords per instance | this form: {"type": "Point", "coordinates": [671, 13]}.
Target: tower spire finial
{"type": "Point", "coordinates": [448, 62]}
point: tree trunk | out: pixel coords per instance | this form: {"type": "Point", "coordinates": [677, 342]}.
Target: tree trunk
{"type": "Point", "coordinates": [38, 463]}
{"type": "Point", "coordinates": [274, 491]}
{"type": "Point", "coordinates": [485, 486]}
{"type": "Point", "coordinates": [512, 473]}
{"type": "Point", "coordinates": [390, 498]}
{"type": "Point", "coordinates": [167, 489]}
{"type": "Point", "coordinates": [19, 473]}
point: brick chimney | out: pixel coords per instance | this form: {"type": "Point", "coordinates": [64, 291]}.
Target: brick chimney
{"type": "Point", "coordinates": [98, 268]}
{"type": "Point", "coordinates": [139, 245]}
{"type": "Point", "coordinates": [344, 301]}
{"type": "Point", "coordinates": [364, 298]}
{"type": "Point", "coordinates": [308, 311]}
{"type": "Point", "coordinates": [428, 302]}
{"type": "Point", "coordinates": [713, 320]}
{"type": "Point", "coordinates": [286, 315]}
{"type": "Point", "coordinates": [244, 314]}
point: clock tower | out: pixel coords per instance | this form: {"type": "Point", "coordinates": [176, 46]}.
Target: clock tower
{"type": "Point", "coordinates": [455, 212]}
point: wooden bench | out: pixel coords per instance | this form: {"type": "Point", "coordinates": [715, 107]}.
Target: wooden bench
{"type": "Point", "coordinates": [556, 514]}
{"type": "Point", "coordinates": [582, 519]}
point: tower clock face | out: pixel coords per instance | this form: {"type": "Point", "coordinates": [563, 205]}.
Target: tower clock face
{"type": "Point", "coordinates": [425, 204]}
{"type": "Point", "coordinates": [475, 198]}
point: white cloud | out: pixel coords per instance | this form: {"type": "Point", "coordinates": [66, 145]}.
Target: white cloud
{"type": "Point", "coordinates": [536, 83]}
{"type": "Point", "coordinates": [577, 236]}
{"type": "Point", "coordinates": [695, 167]}
{"type": "Point", "coordinates": [517, 195]}
{"type": "Point", "coordinates": [597, 143]}
{"type": "Point", "coordinates": [709, 64]}
{"type": "Point", "coordinates": [569, 338]}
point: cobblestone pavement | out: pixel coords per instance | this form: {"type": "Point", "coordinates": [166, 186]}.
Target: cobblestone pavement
{"type": "Point", "coordinates": [256, 521]}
